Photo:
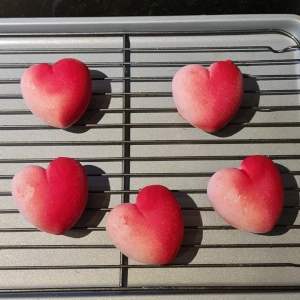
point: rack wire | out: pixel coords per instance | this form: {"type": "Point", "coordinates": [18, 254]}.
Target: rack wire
{"type": "Point", "coordinates": [131, 136]}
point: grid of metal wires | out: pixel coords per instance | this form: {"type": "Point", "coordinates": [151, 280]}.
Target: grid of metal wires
{"type": "Point", "coordinates": [131, 136]}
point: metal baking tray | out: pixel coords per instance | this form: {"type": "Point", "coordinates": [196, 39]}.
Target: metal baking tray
{"type": "Point", "coordinates": [132, 136]}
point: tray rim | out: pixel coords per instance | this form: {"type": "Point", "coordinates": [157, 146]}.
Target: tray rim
{"type": "Point", "coordinates": [287, 22]}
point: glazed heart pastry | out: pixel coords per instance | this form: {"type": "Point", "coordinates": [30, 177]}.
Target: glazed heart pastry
{"type": "Point", "coordinates": [51, 199]}
{"type": "Point", "coordinates": [249, 198]}
{"type": "Point", "coordinates": [149, 231]}
{"type": "Point", "coordinates": [58, 94]}
{"type": "Point", "coordinates": [208, 98]}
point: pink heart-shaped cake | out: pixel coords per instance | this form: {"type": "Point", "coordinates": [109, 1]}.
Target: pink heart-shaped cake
{"type": "Point", "coordinates": [249, 198]}
{"type": "Point", "coordinates": [208, 98]}
{"type": "Point", "coordinates": [51, 199]}
{"type": "Point", "coordinates": [149, 231]}
{"type": "Point", "coordinates": [58, 94]}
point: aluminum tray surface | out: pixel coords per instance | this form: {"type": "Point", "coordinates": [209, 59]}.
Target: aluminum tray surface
{"type": "Point", "coordinates": [132, 136]}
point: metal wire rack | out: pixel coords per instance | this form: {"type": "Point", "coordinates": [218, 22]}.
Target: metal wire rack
{"type": "Point", "coordinates": [132, 136]}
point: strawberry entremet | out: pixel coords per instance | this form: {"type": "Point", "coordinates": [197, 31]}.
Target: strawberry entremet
{"type": "Point", "coordinates": [51, 199]}
{"type": "Point", "coordinates": [149, 231]}
{"type": "Point", "coordinates": [249, 198]}
{"type": "Point", "coordinates": [208, 98]}
{"type": "Point", "coordinates": [58, 94]}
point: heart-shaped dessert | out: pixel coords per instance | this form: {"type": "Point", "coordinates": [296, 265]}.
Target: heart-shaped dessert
{"type": "Point", "coordinates": [51, 199]}
{"type": "Point", "coordinates": [58, 94]}
{"type": "Point", "coordinates": [208, 98]}
{"type": "Point", "coordinates": [149, 231]}
{"type": "Point", "coordinates": [249, 198]}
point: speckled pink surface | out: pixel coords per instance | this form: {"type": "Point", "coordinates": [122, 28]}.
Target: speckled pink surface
{"type": "Point", "coordinates": [58, 94]}
{"type": "Point", "coordinates": [51, 199]}
{"type": "Point", "coordinates": [149, 231]}
{"type": "Point", "coordinates": [249, 198]}
{"type": "Point", "coordinates": [208, 98]}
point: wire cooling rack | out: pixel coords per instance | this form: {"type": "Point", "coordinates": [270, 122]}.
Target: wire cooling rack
{"type": "Point", "coordinates": [132, 136]}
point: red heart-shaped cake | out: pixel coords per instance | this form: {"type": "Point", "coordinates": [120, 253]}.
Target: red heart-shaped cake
{"type": "Point", "coordinates": [58, 94]}
{"type": "Point", "coordinates": [149, 231]}
{"type": "Point", "coordinates": [208, 98]}
{"type": "Point", "coordinates": [51, 199]}
{"type": "Point", "coordinates": [249, 198]}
